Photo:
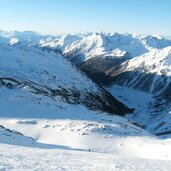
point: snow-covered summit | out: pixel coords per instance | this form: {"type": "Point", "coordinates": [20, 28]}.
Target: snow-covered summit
{"type": "Point", "coordinates": [157, 61]}
{"type": "Point", "coordinates": [24, 38]}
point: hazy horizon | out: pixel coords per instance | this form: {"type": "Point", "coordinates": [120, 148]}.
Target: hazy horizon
{"type": "Point", "coordinates": [63, 17]}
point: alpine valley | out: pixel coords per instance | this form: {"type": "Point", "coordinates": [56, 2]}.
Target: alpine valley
{"type": "Point", "coordinates": [104, 98]}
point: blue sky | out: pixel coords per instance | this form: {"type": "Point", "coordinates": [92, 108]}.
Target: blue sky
{"type": "Point", "coordinates": [70, 16]}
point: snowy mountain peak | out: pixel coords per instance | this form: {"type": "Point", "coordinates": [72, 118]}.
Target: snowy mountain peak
{"type": "Point", "coordinates": [80, 48]}
{"type": "Point", "coordinates": [68, 40]}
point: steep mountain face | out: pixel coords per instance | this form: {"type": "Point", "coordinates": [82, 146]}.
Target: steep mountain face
{"type": "Point", "coordinates": [37, 75]}
{"type": "Point", "coordinates": [150, 73]}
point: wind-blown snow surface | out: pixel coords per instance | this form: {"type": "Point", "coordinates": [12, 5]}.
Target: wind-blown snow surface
{"type": "Point", "coordinates": [106, 153]}
{"type": "Point", "coordinates": [21, 158]}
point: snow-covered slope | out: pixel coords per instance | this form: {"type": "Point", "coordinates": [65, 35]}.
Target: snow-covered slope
{"type": "Point", "coordinates": [154, 119]}
{"type": "Point", "coordinates": [76, 128]}
{"type": "Point", "coordinates": [15, 138]}
{"type": "Point", "coordinates": [150, 73]}
{"type": "Point", "coordinates": [45, 75]}
{"type": "Point", "coordinates": [20, 158]}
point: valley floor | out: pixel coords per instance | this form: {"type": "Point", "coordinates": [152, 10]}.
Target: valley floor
{"type": "Point", "coordinates": [23, 158]}
{"type": "Point", "coordinates": [138, 100]}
